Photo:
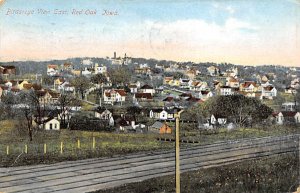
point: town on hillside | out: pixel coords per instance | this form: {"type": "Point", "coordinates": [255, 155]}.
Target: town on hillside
{"type": "Point", "coordinates": [136, 95]}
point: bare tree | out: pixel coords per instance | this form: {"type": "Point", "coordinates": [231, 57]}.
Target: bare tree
{"type": "Point", "coordinates": [31, 109]}
{"type": "Point", "coordinates": [64, 104]}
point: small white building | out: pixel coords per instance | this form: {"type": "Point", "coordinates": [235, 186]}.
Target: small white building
{"type": "Point", "coordinates": [52, 70]}
{"type": "Point", "coordinates": [289, 106]}
{"type": "Point", "coordinates": [133, 88]}
{"type": "Point", "coordinates": [204, 94]}
{"type": "Point", "coordinates": [268, 92]}
{"type": "Point", "coordinates": [218, 120]}
{"type": "Point", "coordinates": [104, 114]}
{"type": "Point", "coordinates": [100, 69]}
{"type": "Point", "coordinates": [290, 90]}
{"type": "Point", "coordinates": [147, 89]}
{"type": "Point", "coordinates": [287, 117]}
{"type": "Point", "coordinates": [66, 87]}
{"type": "Point", "coordinates": [86, 72]}
{"type": "Point", "coordinates": [162, 114]}
{"type": "Point", "coordinates": [52, 124]}
{"type": "Point", "coordinates": [225, 91]}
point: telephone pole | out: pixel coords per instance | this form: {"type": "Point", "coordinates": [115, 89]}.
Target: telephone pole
{"type": "Point", "coordinates": [177, 152]}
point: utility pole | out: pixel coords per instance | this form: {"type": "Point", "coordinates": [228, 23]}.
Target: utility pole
{"type": "Point", "coordinates": [177, 152]}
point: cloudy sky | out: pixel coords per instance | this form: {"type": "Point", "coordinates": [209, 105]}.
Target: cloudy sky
{"type": "Point", "coordinates": [239, 31]}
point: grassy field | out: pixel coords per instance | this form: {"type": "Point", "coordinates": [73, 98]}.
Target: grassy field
{"type": "Point", "coordinates": [76, 145]}
{"type": "Point", "coordinates": [211, 136]}
{"type": "Point", "coordinates": [271, 175]}
{"type": "Point", "coordinates": [79, 144]}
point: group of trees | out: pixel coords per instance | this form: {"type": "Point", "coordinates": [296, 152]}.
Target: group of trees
{"type": "Point", "coordinates": [29, 109]}
{"type": "Point", "coordinates": [238, 109]}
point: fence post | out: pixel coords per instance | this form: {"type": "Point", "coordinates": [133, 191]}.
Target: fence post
{"type": "Point", "coordinates": [45, 148]}
{"type": "Point", "coordinates": [94, 143]}
{"type": "Point", "coordinates": [26, 148]}
{"type": "Point", "coordinates": [7, 150]}
{"type": "Point", "coordinates": [78, 144]}
{"type": "Point", "coordinates": [61, 147]}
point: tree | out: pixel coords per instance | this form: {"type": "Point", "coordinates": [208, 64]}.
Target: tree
{"type": "Point", "coordinates": [31, 109]}
{"type": "Point", "coordinates": [278, 100]}
{"type": "Point", "coordinates": [81, 84]}
{"type": "Point", "coordinates": [8, 101]}
{"type": "Point", "coordinates": [48, 80]}
{"type": "Point", "coordinates": [134, 111]}
{"type": "Point", "coordinates": [119, 76]}
{"type": "Point", "coordinates": [65, 102]}
{"type": "Point", "coordinates": [239, 109]}
{"type": "Point", "coordinates": [99, 79]}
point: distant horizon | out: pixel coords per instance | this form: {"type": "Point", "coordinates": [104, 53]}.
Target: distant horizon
{"type": "Point", "coordinates": [241, 32]}
{"type": "Point", "coordinates": [110, 57]}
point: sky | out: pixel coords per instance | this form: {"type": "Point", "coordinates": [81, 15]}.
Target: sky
{"type": "Point", "coordinates": [255, 32]}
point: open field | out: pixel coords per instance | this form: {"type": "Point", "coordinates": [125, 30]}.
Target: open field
{"type": "Point", "coordinates": [75, 145]}
{"type": "Point", "coordinates": [211, 136]}
{"type": "Point", "coordinates": [270, 174]}
{"type": "Point", "coordinates": [16, 149]}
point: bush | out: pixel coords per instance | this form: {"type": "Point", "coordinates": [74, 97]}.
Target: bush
{"type": "Point", "coordinates": [88, 124]}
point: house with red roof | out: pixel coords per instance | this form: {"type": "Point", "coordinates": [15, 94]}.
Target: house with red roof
{"type": "Point", "coordinates": [114, 96]}
{"type": "Point", "coordinates": [249, 86]}
{"type": "Point", "coordinates": [232, 82]}
{"type": "Point", "coordinates": [52, 70]}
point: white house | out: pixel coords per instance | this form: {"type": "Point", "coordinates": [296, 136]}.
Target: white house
{"type": "Point", "coordinates": [105, 114]}
{"type": "Point", "coordinates": [86, 72]}
{"type": "Point", "coordinates": [287, 117]}
{"type": "Point", "coordinates": [9, 84]}
{"type": "Point", "coordinates": [204, 95]}
{"type": "Point", "coordinates": [290, 90]}
{"type": "Point", "coordinates": [295, 83]}
{"type": "Point", "coordinates": [114, 95]}
{"type": "Point", "coordinates": [225, 90]}
{"type": "Point", "coordinates": [232, 82]}
{"type": "Point", "coordinates": [198, 86]}
{"type": "Point", "coordinates": [218, 120]}
{"type": "Point", "coordinates": [133, 88]}
{"type": "Point", "coordinates": [147, 89]}
{"type": "Point", "coordinates": [66, 87]}
{"type": "Point", "coordinates": [268, 92]}
{"type": "Point", "coordinates": [52, 124]}
{"type": "Point", "coordinates": [289, 106]}
{"type": "Point", "coordinates": [185, 83]}
{"type": "Point", "coordinates": [100, 69]}
{"type": "Point", "coordinates": [213, 71]}
{"type": "Point", "coordinates": [52, 70]}
{"type": "Point", "coordinates": [249, 86]}
{"type": "Point", "coordinates": [162, 114]}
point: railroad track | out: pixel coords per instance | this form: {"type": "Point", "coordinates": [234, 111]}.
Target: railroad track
{"type": "Point", "coordinates": [102, 173]}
